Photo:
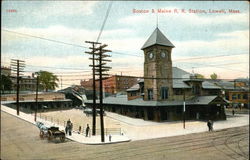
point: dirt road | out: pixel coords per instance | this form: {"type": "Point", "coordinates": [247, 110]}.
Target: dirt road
{"type": "Point", "coordinates": [20, 140]}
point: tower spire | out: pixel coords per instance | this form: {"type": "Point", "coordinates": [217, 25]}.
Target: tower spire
{"type": "Point", "coordinates": [157, 20]}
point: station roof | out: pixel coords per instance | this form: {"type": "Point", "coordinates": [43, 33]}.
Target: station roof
{"type": "Point", "coordinates": [122, 100]}
{"type": "Point", "coordinates": [135, 87]}
{"type": "Point", "coordinates": [209, 85]}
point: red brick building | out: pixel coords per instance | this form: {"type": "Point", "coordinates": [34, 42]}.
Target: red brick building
{"type": "Point", "coordinates": [118, 83]}
{"type": "Point", "coordinates": [113, 85]}
{"type": "Point", "coordinates": [88, 84]}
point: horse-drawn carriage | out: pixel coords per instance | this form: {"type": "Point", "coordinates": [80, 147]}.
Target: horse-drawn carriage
{"type": "Point", "coordinates": [51, 132]}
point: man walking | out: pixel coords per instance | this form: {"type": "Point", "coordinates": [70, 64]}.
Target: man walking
{"type": "Point", "coordinates": [87, 130]}
{"type": "Point", "coordinates": [209, 124]}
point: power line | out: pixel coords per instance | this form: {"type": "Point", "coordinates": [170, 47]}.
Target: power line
{"type": "Point", "coordinates": [120, 53]}
{"type": "Point", "coordinates": [56, 41]}
{"type": "Point", "coordinates": [214, 66]}
{"type": "Point", "coordinates": [205, 57]}
{"type": "Point", "coordinates": [61, 42]}
{"type": "Point", "coordinates": [69, 68]}
{"type": "Point", "coordinates": [105, 19]}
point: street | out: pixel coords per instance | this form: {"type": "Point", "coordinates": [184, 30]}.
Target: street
{"type": "Point", "coordinates": [20, 140]}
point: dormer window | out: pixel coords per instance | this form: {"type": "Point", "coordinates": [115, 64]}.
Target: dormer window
{"type": "Point", "coordinates": [196, 89]}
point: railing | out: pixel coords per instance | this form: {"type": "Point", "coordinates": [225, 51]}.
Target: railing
{"type": "Point", "coordinates": [56, 121]}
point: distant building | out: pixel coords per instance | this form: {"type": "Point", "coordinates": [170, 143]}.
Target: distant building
{"type": "Point", "coordinates": [46, 101]}
{"type": "Point", "coordinates": [88, 84]}
{"type": "Point", "coordinates": [27, 83]}
{"type": "Point", "coordinates": [236, 92]}
{"type": "Point", "coordinates": [114, 84]}
{"type": "Point", "coordinates": [118, 83]}
{"type": "Point", "coordinates": [5, 71]}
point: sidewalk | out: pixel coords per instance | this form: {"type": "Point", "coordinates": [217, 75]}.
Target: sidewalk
{"type": "Point", "coordinates": [75, 136]}
{"type": "Point", "coordinates": [139, 129]}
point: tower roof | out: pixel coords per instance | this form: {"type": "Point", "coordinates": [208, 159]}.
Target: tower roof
{"type": "Point", "coordinates": [157, 37]}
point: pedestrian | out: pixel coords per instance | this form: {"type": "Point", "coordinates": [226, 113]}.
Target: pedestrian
{"type": "Point", "coordinates": [212, 125]}
{"type": "Point", "coordinates": [66, 130]}
{"type": "Point", "coordinates": [209, 125]}
{"type": "Point", "coordinates": [87, 130]}
{"type": "Point", "coordinates": [70, 128]}
{"type": "Point", "coordinates": [110, 138]}
{"type": "Point", "coordinates": [68, 122]}
{"type": "Point", "coordinates": [233, 112]}
{"type": "Point", "coordinates": [80, 128]}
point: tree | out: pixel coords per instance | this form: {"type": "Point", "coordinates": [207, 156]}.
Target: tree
{"type": "Point", "coordinates": [47, 80]}
{"type": "Point", "coordinates": [213, 76]}
{"type": "Point", "coordinates": [6, 83]}
{"type": "Point", "coordinates": [200, 76]}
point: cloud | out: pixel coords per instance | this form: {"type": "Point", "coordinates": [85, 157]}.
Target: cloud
{"type": "Point", "coordinates": [66, 8]}
{"type": "Point", "coordinates": [228, 43]}
{"type": "Point", "coordinates": [71, 35]}
{"type": "Point", "coordinates": [244, 35]}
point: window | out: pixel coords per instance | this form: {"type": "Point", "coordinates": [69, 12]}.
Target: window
{"type": "Point", "coordinates": [239, 96]}
{"type": "Point", "coordinates": [244, 96]}
{"type": "Point", "coordinates": [196, 89]}
{"type": "Point", "coordinates": [142, 89]}
{"type": "Point", "coordinates": [150, 94]}
{"type": "Point", "coordinates": [234, 96]}
{"type": "Point", "coordinates": [164, 92]}
{"type": "Point", "coordinates": [133, 94]}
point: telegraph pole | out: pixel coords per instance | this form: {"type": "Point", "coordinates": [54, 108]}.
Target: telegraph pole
{"type": "Point", "coordinates": [94, 86]}
{"type": "Point", "coordinates": [37, 84]}
{"type": "Point", "coordinates": [17, 66]}
{"type": "Point", "coordinates": [102, 68]}
{"type": "Point", "coordinates": [61, 82]}
{"type": "Point", "coordinates": [98, 70]}
{"type": "Point", "coordinates": [184, 107]}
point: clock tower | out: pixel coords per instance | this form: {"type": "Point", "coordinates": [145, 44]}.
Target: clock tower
{"type": "Point", "coordinates": [158, 83]}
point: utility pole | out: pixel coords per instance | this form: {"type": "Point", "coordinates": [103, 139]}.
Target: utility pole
{"type": "Point", "coordinates": [37, 84]}
{"type": "Point", "coordinates": [17, 66]}
{"type": "Point", "coordinates": [102, 68]}
{"type": "Point", "coordinates": [99, 69]}
{"type": "Point", "coordinates": [184, 107]}
{"type": "Point", "coordinates": [94, 86]}
{"type": "Point", "coordinates": [61, 82]}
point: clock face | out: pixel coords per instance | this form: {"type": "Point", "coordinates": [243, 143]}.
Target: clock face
{"type": "Point", "coordinates": [150, 55]}
{"type": "Point", "coordinates": [163, 54]}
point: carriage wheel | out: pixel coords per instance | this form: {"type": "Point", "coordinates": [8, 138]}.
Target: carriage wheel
{"type": "Point", "coordinates": [41, 134]}
{"type": "Point", "coordinates": [62, 138]}
{"type": "Point", "coordinates": [50, 136]}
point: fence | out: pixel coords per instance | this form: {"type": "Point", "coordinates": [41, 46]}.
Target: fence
{"type": "Point", "coordinates": [56, 121]}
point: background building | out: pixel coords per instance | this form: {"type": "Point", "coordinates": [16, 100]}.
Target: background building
{"type": "Point", "coordinates": [5, 71]}
{"type": "Point", "coordinates": [118, 83]}
{"type": "Point", "coordinates": [88, 84]}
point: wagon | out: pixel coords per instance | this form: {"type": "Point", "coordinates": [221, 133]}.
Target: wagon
{"type": "Point", "coordinates": [54, 132]}
{"type": "Point", "coordinates": [50, 132]}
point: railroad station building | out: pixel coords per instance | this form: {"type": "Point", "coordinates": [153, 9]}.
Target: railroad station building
{"type": "Point", "coordinates": [164, 91]}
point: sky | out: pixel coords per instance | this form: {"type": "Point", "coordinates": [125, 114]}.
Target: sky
{"type": "Point", "coordinates": [205, 42]}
